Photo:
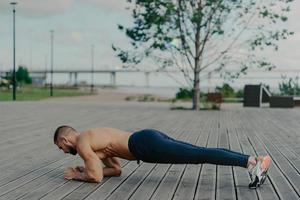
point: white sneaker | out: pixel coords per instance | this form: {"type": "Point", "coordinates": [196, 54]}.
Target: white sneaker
{"type": "Point", "coordinates": [258, 173]}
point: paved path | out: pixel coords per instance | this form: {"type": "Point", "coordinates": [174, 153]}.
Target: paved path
{"type": "Point", "coordinates": [31, 166]}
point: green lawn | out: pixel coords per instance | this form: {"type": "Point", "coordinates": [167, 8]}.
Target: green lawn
{"type": "Point", "coordinates": [34, 94]}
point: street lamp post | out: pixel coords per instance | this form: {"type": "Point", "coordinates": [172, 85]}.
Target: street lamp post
{"type": "Point", "coordinates": [14, 49]}
{"type": "Point", "coordinates": [51, 71]}
{"type": "Point", "coordinates": [92, 70]}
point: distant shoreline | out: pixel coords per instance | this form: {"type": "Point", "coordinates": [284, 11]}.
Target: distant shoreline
{"type": "Point", "coordinates": [114, 95]}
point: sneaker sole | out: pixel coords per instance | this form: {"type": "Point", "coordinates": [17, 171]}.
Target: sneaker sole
{"type": "Point", "coordinates": [264, 177]}
{"type": "Point", "coordinates": [257, 182]}
{"type": "Point", "coordinates": [254, 184]}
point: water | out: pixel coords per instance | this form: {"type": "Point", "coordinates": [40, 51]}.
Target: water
{"type": "Point", "coordinates": [167, 85]}
{"type": "Point", "coordinates": [167, 92]}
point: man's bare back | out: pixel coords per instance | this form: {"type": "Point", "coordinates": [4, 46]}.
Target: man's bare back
{"type": "Point", "coordinates": [108, 142]}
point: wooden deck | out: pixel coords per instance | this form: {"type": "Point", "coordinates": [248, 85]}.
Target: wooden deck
{"type": "Point", "coordinates": [31, 166]}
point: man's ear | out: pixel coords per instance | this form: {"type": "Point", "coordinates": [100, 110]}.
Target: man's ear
{"type": "Point", "coordinates": [64, 140]}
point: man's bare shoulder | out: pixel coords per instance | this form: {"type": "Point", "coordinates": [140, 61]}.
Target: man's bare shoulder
{"type": "Point", "coordinates": [85, 135]}
{"type": "Point", "coordinates": [96, 138]}
{"type": "Point", "coordinates": [84, 138]}
{"type": "Point", "coordinates": [104, 130]}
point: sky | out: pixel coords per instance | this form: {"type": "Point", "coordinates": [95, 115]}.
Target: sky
{"type": "Point", "coordinates": [77, 25]}
{"type": "Point", "coordinates": [80, 23]}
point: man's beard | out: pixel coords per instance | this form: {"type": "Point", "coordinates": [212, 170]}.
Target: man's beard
{"type": "Point", "coordinates": [72, 151]}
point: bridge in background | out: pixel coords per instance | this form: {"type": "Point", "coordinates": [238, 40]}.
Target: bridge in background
{"type": "Point", "coordinates": [73, 74]}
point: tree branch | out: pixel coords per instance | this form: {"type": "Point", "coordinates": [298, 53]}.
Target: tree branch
{"type": "Point", "coordinates": [187, 51]}
{"type": "Point", "coordinates": [230, 45]}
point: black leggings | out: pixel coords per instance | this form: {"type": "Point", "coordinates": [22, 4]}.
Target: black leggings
{"type": "Point", "coordinates": [153, 146]}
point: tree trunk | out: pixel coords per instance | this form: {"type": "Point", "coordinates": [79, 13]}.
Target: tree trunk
{"type": "Point", "coordinates": [196, 91]}
{"type": "Point", "coordinates": [196, 88]}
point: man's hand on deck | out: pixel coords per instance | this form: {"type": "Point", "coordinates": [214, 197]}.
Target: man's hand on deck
{"type": "Point", "coordinates": [70, 173]}
{"type": "Point", "coordinates": [79, 169]}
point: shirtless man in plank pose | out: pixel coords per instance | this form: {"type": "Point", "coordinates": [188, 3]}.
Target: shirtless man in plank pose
{"type": "Point", "coordinates": [148, 145]}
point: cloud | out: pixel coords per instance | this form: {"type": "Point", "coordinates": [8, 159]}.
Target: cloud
{"type": "Point", "coordinates": [37, 8]}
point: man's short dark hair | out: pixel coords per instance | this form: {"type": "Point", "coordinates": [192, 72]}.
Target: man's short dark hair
{"type": "Point", "coordinates": [60, 130]}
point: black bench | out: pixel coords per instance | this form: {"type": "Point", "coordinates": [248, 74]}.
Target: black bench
{"type": "Point", "coordinates": [254, 95]}
{"type": "Point", "coordinates": [282, 102]}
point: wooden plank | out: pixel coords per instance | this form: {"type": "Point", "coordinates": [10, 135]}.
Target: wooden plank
{"type": "Point", "coordinates": [56, 181]}
{"type": "Point", "coordinates": [281, 185]}
{"type": "Point", "coordinates": [72, 192]}
{"type": "Point", "coordinates": [241, 176]}
{"type": "Point", "coordinates": [20, 191]}
{"type": "Point", "coordinates": [66, 188]}
{"type": "Point", "coordinates": [285, 169]}
{"type": "Point", "coordinates": [290, 173]}
{"type": "Point", "coordinates": [267, 191]}
{"type": "Point", "coordinates": [148, 185]}
{"type": "Point", "coordinates": [10, 186]}
{"type": "Point", "coordinates": [285, 150]}
{"type": "Point", "coordinates": [284, 143]}
{"type": "Point", "coordinates": [190, 179]}
{"type": "Point", "coordinates": [46, 183]}
{"type": "Point", "coordinates": [207, 183]}
{"type": "Point", "coordinates": [225, 185]}
{"type": "Point", "coordinates": [110, 185]}
{"type": "Point", "coordinates": [52, 186]}
{"type": "Point", "coordinates": [129, 186]}
{"type": "Point", "coordinates": [285, 130]}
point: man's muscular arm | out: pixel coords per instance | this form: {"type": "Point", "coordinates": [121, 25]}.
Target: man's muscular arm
{"type": "Point", "coordinates": [112, 167]}
{"type": "Point", "coordinates": [93, 171]}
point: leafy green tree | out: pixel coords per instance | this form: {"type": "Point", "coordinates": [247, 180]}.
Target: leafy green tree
{"type": "Point", "coordinates": [204, 36]}
{"type": "Point", "coordinates": [226, 90]}
{"type": "Point", "coordinates": [240, 93]}
{"type": "Point", "coordinates": [184, 93]}
{"type": "Point", "coordinates": [289, 86]}
{"type": "Point", "coordinates": [22, 75]}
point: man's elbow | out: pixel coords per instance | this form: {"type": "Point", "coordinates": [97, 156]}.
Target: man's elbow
{"type": "Point", "coordinates": [96, 179]}
{"type": "Point", "coordinates": [118, 171]}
